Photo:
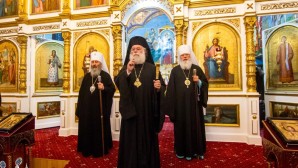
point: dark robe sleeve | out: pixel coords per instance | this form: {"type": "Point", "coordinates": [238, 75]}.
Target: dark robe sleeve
{"type": "Point", "coordinates": [170, 95]}
{"type": "Point", "coordinates": [203, 88]}
{"type": "Point", "coordinates": [126, 106]}
{"type": "Point", "coordinates": [159, 106]}
{"type": "Point", "coordinates": [108, 92]}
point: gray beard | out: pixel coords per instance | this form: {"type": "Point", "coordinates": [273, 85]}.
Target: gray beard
{"type": "Point", "coordinates": [185, 65]}
{"type": "Point", "coordinates": [138, 59]}
{"type": "Point", "coordinates": [95, 72]}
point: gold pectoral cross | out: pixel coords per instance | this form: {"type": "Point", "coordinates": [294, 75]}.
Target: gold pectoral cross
{"type": "Point", "coordinates": [187, 82]}
{"type": "Point", "coordinates": [137, 83]}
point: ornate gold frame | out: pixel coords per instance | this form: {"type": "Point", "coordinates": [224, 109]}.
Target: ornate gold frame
{"type": "Point", "coordinates": [228, 38]}
{"type": "Point", "coordinates": [49, 115]}
{"type": "Point", "coordinates": [224, 107]}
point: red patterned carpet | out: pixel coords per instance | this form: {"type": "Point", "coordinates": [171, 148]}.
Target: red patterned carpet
{"type": "Point", "coordinates": [219, 154]}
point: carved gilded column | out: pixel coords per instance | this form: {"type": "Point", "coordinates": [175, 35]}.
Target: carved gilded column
{"type": "Point", "coordinates": [117, 36]}
{"type": "Point", "coordinates": [66, 63]}
{"type": "Point", "coordinates": [66, 7]}
{"type": "Point", "coordinates": [250, 53]}
{"type": "Point", "coordinates": [185, 27]}
{"type": "Point", "coordinates": [179, 25]}
{"type": "Point", "coordinates": [22, 40]}
{"type": "Point", "coordinates": [23, 10]}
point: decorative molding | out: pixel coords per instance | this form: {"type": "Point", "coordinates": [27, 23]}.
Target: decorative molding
{"type": "Point", "coordinates": [9, 31]}
{"type": "Point", "coordinates": [92, 23]}
{"type": "Point", "coordinates": [282, 5]}
{"type": "Point", "coordinates": [235, 22]}
{"type": "Point", "coordinates": [46, 27]}
{"type": "Point", "coordinates": [195, 25]}
{"type": "Point", "coordinates": [77, 34]}
{"type": "Point", "coordinates": [214, 11]}
{"type": "Point", "coordinates": [104, 32]}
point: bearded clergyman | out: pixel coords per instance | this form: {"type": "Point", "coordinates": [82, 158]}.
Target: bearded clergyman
{"type": "Point", "coordinates": [140, 102]}
{"type": "Point", "coordinates": [187, 94]}
{"type": "Point", "coordinates": [94, 109]}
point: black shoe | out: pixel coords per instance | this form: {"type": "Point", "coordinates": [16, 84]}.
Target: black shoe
{"type": "Point", "coordinates": [201, 157]}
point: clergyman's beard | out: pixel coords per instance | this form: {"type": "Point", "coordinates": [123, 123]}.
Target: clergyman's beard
{"type": "Point", "coordinates": [138, 58]}
{"type": "Point", "coordinates": [95, 71]}
{"type": "Point", "coordinates": [185, 64]}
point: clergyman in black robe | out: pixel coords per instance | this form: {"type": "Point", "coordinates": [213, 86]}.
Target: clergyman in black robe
{"type": "Point", "coordinates": [140, 101]}
{"type": "Point", "coordinates": [94, 132]}
{"type": "Point", "coordinates": [187, 94]}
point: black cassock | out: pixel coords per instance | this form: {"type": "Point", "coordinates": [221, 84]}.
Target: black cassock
{"type": "Point", "coordinates": [186, 112]}
{"type": "Point", "coordinates": [88, 111]}
{"type": "Point", "coordinates": [141, 120]}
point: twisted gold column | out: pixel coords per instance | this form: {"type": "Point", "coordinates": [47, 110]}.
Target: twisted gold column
{"type": "Point", "coordinates": [66, 7]}
{"type": "Point", "coordinates": [185, 27]}
{"type": "Point", "coordinates": [179, 25]}
{"type": "Point", "coordinates": [66, 69]}
{"type": "Point", "coordinates": [250, 53]}
{"type": "Point", "coordinates": [117, 34]}
{"type": "Point", "coordinates": [23, 10]}
{"type": "Point", "coordinates": [22, 40]}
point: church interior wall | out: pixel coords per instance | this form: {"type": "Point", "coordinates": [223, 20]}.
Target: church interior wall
{"type": "Point", "coordinates": [102, 20]}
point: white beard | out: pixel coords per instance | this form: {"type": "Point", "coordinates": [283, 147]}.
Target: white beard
{"type": "Point", "coordinates": [138, 58]}
{"type": "Point", "coordinates": [185, 65]}
{"type": "Point", "coordinates": [95, 71]}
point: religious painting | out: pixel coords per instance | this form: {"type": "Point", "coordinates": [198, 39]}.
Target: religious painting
{"type": "Point", "coordinates": [222, 115]}
{"type": "Point", "coordinates": [266, 23]}
{"type": "Point", "coordinates": [158, 30]}
{"type": "Point", "coordinates": [84, 46]}
{"type": "Point", "coordinates": [8, 7]}
{"type": "Point", "coordinates": [281, 62]}
{"type": "Point", "coordinates": [287, 129]}
{"type": "Point", "coordinates": [42, 6]}
{"type": "Point", "coordinates": [217, 48]}
{"type": "Point", "coordinates": [48, 109]}
{"type": "Point", "coordinates": [283, 109]}
{"type": "Point", "coordinates": [8, 66]}
{"type": "Point", "coordinates": [7, 108]}
{"type": "Point", "coordinates": [79, 4]}
{"type": "Point", "coordinates": [49, 58]}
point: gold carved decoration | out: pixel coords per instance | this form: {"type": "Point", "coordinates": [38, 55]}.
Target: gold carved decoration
{"type": "Point", "coordinates": [76, 35]}
{"type": "Point", "coordinates": [117, 34]}
{"type": "Point", "coordinates": [214, 11]}
{"type": "Point", "coordinates": [250, 6]}
{"type": "Point", "coordinates": [250, 53]}
{"type": "Point", "coordinates": [46, 27]}
{"type": "Point", "coordinates": [195, 25]}
{"type": "Point", "coordinates": [179, 26]}
{"type": "Point", "coordinates": [9, 31]}
{"type": "Point", "coordinates": [66, 7]}
{"type": "Point", "coordinates": [105, 32]}
{"type": "Point", "coordinates": [23, 10]}
{"type": "Point", "coordinates": [22, 40]}
{"type": "Point", "coordinates": [185, 32]}
{"type": "Point", "coordinates": [66, 63]}
{"type": "Point", "coordinates": [284, 5]}
{"type": "Point", "coordinates": [235, 22]}
{"type": "Point", "coordinates": [92, 23]}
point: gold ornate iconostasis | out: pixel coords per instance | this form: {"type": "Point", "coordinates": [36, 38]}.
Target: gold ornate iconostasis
{"type": "Point", "coordinates": [218, 51]}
